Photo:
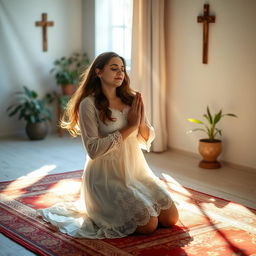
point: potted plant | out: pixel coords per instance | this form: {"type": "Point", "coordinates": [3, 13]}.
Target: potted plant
{"type": "Point", "coordinates": [34, 111]}
{"type": "Point", "coordinates": [63, 101]}
{"type": "Point", "coordinates": [67, 71]}
{"type": "Point", "coordinates": [210, 147]}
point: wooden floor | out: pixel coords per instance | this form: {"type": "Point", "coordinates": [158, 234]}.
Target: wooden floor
{"type": "Point", "coordinates": [19, 157]}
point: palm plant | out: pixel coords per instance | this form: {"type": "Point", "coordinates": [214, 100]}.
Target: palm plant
{"type": "Point", "coordinates": [209, 127]}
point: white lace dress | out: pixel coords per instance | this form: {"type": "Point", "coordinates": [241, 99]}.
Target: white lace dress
{"type": "Point", "coordinates": [119, 191]}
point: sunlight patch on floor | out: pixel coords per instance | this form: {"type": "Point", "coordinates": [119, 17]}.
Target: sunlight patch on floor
{"type": "Point", "coordinates": [210, 207]}
{"type": "Point", "coordinates": [67, 190]}
{"type": "Point", "coordinates": [16, 188]}
{"type": "Point", "coordinates": [175, 185]}
{"type": "Point", "coordinates": [67, 186]}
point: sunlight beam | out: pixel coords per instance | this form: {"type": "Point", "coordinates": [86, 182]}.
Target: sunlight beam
{"type": "Point", "coordinates": [16, 188]}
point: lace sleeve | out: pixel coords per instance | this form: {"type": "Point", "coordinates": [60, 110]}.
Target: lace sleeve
{"type": "Point", "coordinates": [146, 144]}
{"type": "Point", "coordinates": [95, 145]}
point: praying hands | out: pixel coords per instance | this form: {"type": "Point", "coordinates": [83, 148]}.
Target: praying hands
{"type": "Point", "coordinates": [136, 116]}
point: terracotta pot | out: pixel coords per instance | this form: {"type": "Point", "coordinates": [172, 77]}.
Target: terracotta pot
{"type": "Point", "coordinates": [37, 131]}
{"type": "Point", "coordinates": [210, 150]}
{"type": "Point", "coordinates": [68, 89]}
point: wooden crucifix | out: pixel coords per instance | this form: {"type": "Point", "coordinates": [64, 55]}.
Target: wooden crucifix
{"type": "Point", "coordinates": [206, 19]}
{"type": "Point", "coordinates": [44, 24]}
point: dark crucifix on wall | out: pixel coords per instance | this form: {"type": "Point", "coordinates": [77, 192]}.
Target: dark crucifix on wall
{"type": "Point", "coordinates": [44, 24]}
{"type": "Point", "coordinates": [205, 19]}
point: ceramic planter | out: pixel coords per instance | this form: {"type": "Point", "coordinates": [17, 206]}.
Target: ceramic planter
{"type": "Point", "coordinates": [210, 150]}
{"type": "Point", "coordinates": [37, 131]}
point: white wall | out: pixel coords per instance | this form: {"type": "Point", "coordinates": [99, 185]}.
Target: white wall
{"type": "Point", "coordinates": [227, 82]}
{"type": "Point", "coordinates": [88, 21]}
{"type": "Point", "coordinates": [22, 60]}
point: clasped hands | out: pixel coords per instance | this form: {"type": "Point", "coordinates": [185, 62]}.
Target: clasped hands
{"type": "Point", "coordinates": [136, 114]}
{"type": "Point", "coordinates": [136, 119]}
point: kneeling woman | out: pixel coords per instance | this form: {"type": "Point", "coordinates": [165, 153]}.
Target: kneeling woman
{"type": "Point", "coordinates": [120, 195]}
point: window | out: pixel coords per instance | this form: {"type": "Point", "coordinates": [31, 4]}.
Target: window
{"type": "Point", "coordinates": [113, 27]}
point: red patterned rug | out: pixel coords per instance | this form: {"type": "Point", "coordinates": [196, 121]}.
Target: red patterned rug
{"type": "Point", "coordinates": [208, 226]}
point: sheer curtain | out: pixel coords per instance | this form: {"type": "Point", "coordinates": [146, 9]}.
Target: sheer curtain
{"type": "Point", "coordinates": [148, 65]}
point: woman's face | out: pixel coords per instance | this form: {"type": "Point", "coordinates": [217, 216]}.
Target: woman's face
{"type": "Point", "coordinates": [113, 72]}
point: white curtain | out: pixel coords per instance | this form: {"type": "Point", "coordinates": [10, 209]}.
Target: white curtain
{"type": "Point", "coordinates": [148, 65]}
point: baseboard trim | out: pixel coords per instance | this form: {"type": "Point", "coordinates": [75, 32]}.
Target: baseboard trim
{"type": "Point", "coordinates": [226, 163]}
{"type": "Point", "coordinates": [11, 134]}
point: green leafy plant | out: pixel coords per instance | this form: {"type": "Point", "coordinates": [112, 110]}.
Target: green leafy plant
{"type": "Point", "coordinates": [68, 69]}
{"type": "Point", "coordinates": [63, 100]}
{"type": "Point", "coordinates": [29, 107]}
{"type": "Point", "coordinates": [209, 127]}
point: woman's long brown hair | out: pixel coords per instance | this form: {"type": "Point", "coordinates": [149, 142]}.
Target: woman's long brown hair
{"type": "Point", "coordinates": [91, 85]}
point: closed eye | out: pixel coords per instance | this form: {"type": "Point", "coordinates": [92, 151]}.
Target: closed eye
{"type": "Point", "coordinates": [117, 69]}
